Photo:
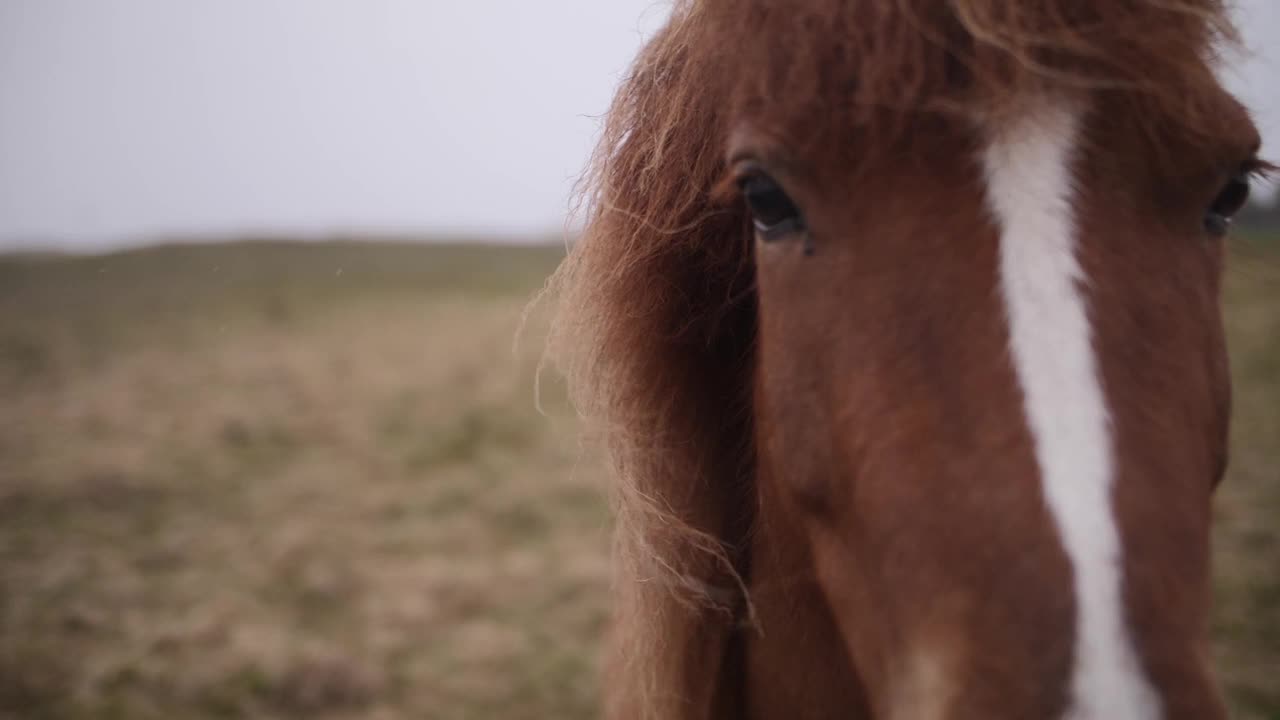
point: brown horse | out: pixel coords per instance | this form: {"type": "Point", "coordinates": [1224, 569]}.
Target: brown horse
{"type": "Point", "coordinates": [900, 319]}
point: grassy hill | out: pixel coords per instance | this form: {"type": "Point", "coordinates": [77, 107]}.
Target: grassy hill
{"type": "Point", "coordinates": [308, 480]}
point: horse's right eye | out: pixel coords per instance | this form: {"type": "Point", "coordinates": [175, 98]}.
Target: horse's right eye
{"type": "Point", "coordinates": [1229, 201]}
{"type": "Point", "coordinates": [773, 212]}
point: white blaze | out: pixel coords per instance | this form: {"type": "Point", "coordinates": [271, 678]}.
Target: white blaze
{"type": "Point", "coordinates": [1028, 167]}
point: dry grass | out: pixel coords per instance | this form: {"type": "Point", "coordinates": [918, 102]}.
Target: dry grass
{"type": "Point", "coordinates": [1247, 536]}
{"type": "Point", "coordinates": [280, 481]}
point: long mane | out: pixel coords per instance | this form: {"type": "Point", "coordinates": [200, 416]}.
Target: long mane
{"type": "Point", "coordinates": [656, 309]}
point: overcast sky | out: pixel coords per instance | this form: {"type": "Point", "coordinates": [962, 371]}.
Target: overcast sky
{"type": "Point", "coordinates": [130, 120]}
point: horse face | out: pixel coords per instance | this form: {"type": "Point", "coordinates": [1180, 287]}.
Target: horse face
{"type": "Point", "coordinates": [992, 394]}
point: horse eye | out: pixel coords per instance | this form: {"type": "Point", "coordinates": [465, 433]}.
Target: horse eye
{"type": "Point", "coordinates": [1230, 199]}
{"type": "Point", "coordinates": [774, 213]}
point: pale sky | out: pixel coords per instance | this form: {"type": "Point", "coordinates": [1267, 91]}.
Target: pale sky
{"type": "Point", "coordinates": [136, 120]}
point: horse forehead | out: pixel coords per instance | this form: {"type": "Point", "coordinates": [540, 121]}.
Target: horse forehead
{"type": "Point", "coordinates": [1029, 165]}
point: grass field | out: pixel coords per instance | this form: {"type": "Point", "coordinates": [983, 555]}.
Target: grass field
{"type": "Point", "coordinates": [297, 481]}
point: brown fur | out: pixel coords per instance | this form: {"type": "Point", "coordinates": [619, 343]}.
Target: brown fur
{"type": "Point", "coordinates": [659, 313]}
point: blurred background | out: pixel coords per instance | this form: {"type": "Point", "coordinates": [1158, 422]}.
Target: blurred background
{"type": "Point", "coordinates": [266, 449]}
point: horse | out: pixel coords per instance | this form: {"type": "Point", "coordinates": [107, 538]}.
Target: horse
{"type": "Point", "coordinates": [900, 322]}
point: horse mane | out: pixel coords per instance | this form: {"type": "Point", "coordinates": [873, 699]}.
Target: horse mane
{"type": "Point", "coordinates": [656, 309]}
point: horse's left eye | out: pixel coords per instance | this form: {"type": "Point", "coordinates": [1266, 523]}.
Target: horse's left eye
{"type": "Point", "coordinates": [1230, 199]}
{"type": "Point", "coordinates": [774, 213]}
